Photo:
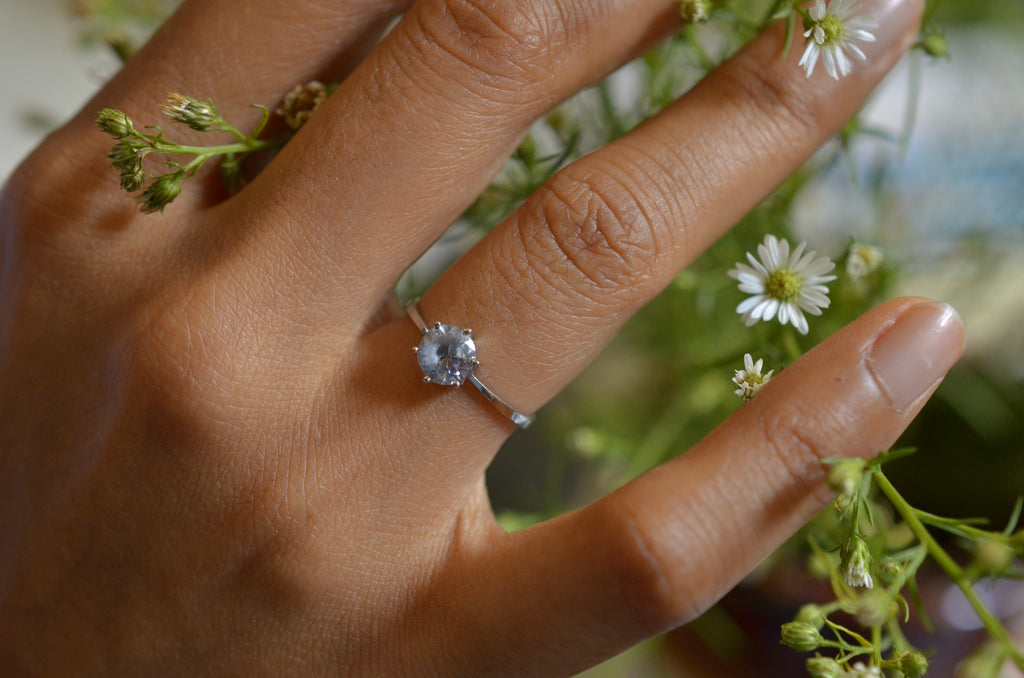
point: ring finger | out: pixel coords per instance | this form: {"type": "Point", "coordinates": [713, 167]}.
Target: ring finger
{"type": "Point", "coordinates": [549, 287]}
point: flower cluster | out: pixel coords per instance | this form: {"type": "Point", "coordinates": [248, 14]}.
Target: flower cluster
{"type": "Point", "coordinates": [132, 147]}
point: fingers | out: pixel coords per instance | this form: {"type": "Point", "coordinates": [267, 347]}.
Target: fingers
{"type": "Point", "coordinates": [552, 284]}
{"type": "Point", "coordinates": [663, 548]}
{"type": "Point", "coordinates": [417, 131]}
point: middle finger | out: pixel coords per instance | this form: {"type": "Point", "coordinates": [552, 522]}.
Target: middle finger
{"type": "Point", "coordinates": [417, 131]}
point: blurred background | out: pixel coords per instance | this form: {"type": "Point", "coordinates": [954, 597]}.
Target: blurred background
{"type": "Point", "coordinates": [932, 175]}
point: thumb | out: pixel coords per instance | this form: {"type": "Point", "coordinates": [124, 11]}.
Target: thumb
{"type": "Point", "coordinates": [663, 548]}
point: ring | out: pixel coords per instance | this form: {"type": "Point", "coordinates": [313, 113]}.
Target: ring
{"type": "Point", "coordinates": [447, 356]}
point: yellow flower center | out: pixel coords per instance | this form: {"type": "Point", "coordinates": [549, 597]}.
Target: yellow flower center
{"type": "Point", "coordinates": [783, 284]}
{"type": "Point", "coordinates": [833, 28]}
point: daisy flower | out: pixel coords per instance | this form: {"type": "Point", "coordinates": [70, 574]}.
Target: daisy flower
{"type": "Point", "coordinates": [749, 379]}
{"type": "Point", "coordinates": [831, 36]}
{"type": "Point", "coordinates": [783, 283]}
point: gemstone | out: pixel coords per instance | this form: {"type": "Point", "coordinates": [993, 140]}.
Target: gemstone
{"type": "Point", "coordinates": [447, 355]}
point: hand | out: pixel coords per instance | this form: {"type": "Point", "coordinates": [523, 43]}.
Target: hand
{"type": "Point", "coordinates": [216, 453]}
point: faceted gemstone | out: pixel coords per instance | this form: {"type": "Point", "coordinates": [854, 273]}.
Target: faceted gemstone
{"type": "Point", "coordinates": [447, 355]}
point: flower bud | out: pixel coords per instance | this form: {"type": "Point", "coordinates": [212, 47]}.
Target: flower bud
{"type": "Point", "coordinates": [992, 557]}
{"type": "Point", "coordinates": [231, 174]}
{"type": "Point", "coordinates": [801, 637]}
{"type": "Point", "coordinates": [811, 615]}
{"type": "Point", "coordinates": [985, 662]}
{"type": "Point", "coordinates": [823, 667]}
{"type": "Point", "coordinates": [845, 475]}
{"type": "Point", "coordinates": [527, 150]}
{"type": "Point", "coordinates": [164, 189]}
{"type": "Point", "coordinates": [819, 565]}
{"type": "Point", "coordinates": [935, 45]}
{"type": "Point", "coordinates": [913, 664]}
{"type": "Point", "coordinates": [302, 101]}
{"type": "Point", "coordinates": [695, 11]}
{"type": "Point", "coordinates": [874, 608]}
{"type": "Point", "coordinates": [126, 158]}
{"type": "Point", "coordinates": [199, 115]}
{"type": "Point", "coordinates": [855, 563]}
{"type": "Point", "coordinates": [892, 569]}
{"type": "Point", "coordinates": [1017, 542]}
{"type": "Point", "coordinates": [114, 122]}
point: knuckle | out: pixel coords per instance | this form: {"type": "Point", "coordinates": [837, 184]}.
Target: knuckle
{"type": "Point", "coordinates": [512, 42]}
{"type": "Point", "coordinates": [593, 233]}
{"type": "Point", "coordinates": [800, 446]}
{"type": "Point", "coordinates": [644, 573]}
{"type": "Point", "coordinates": [770, 93]}
{"type": "Point", "coordinates": [32, 201]}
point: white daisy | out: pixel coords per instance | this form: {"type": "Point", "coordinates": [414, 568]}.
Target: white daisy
{"type": "Point", "coordinates": [750, 380]}
{"type": "Point", "coordinates": [863, 260]}
{"type": "Point", "coordinates": [831, 35]}
{"type": "Point", "coordinates": [783, 283]}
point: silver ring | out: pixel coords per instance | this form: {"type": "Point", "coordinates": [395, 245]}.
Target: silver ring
{"type": "Point", "coordinates": [447, 356]}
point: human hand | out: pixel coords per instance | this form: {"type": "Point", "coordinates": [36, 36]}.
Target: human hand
{"type": "Point", "coordinates": [216, 453]}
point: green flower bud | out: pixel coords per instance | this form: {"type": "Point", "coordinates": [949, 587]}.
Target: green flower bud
{"type": "Point", "coordinates": [810, 614]}
{"type": "Point", "coordinates": [164, 189]}
{"type": "Point", "coordinates": [1017, 542]}
{"type": "Point", "coordinates": [126, 158]}
{"type": "Point", "coordinates": [913, 664]}
{"type": "Point", "coordinates": [823, 667]}
{"type": "Point", "coordinates": [527, 150]}
{"type": "Point", "coordinates": [874, 608]}
{"type": "Point", "coordinates": [935, 45]}
{"type": "Point", "coordinates": [231, 174]}
{"type": "Point", "coordinates": [985, 662]}
{"type": "Point", "coordinates": [993, 557]}
{"type": "Point", "coordinates": [801, 637]}
{"type": "Point", "coordinates": [819, 565]}
{"type": "Point", "coordinates": [845, 476]}
{"type": "Point", "coordinates": [855, 563]}
{"type": "Point", "coordinates": [115, 123]}
{"type": "Point", "coordinates": [695, 11]}
{"type": "Point", "coordinates": [199, 115]}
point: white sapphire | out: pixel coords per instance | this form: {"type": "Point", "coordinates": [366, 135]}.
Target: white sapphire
{"type": "Point", "coordinates": [447, 355]}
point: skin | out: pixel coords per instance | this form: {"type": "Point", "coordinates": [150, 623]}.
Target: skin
{"type": "Point", "coordinates": [216, 455]}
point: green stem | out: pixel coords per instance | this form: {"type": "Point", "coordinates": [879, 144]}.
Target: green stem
{"type": "Point", "coordinates": [950, 567]}
{"type": "Point", "coordinates": [245, 146]}
{"type": "Point", "coordinates": [791, 346]}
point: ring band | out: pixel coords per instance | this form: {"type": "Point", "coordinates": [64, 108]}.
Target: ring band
{"type": "Point", "coordinates": [447, 356]}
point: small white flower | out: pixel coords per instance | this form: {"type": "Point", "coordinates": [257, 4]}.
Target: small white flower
{"type": "Point", "coordinates": [831, 35]}
{"type": "Point", "coordinates": [783, 283]}
{"type": "Point", "coordinates": [863, 260]}
{"type": "Point", "coordinates": [750, 380]}
{"type": "Point", "coordinates": [859, 670]}
{"type": "Point", "coordinates": [855, 563]}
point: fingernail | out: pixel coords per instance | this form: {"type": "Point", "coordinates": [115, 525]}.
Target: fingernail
{"type": "Point", "coordinates": [914, 354]}
{"type": "Point", "coordinates": [895, 20]}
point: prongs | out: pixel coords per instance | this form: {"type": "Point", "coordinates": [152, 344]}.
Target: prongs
{"type": "Point", "coordinates": [415, 350]}
{"type": "Point", "coordinates": [476, 363]}
{"type": "Point", "coordinates": [468, 332]}
{"type": "Point", "coordinates": [437, 326]}
{"type": "Point", "coordinates": [426, 380]}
